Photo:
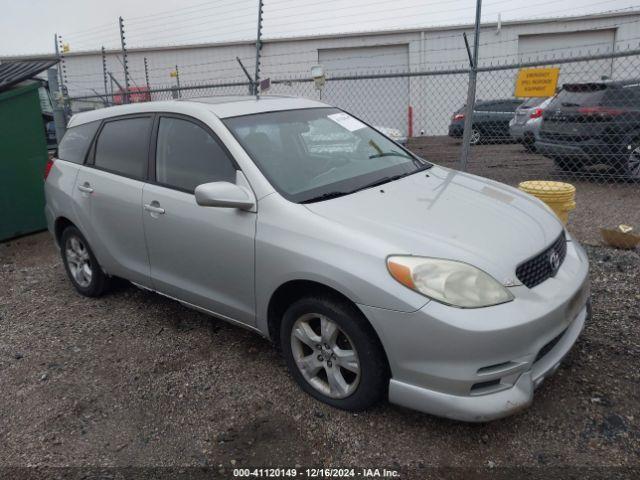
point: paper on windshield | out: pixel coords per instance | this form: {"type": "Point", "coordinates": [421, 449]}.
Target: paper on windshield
{"type": "Point", "coordinates": [346, 121]}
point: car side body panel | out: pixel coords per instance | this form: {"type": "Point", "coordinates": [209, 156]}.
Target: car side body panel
{"type": "Point", "coordinates": [116, 233]}
{"type": "Point", "coordinates": [322, 251]}
{"type": "Point", "coordinates": [59, 191]}
{"type": "Point", "coordinates": [202, 255]}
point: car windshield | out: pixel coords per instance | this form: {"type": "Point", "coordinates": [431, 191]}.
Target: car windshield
{"type": "Point", "coordinates": [315, 154]}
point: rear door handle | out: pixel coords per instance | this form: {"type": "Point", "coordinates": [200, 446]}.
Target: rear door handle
{"type": "Point", "coordinates": [86, 188]}
{"type": "Point", "coordinates": [153, 208]}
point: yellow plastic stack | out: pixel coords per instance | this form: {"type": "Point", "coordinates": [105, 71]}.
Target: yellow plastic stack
{"type": "Point", "coordinates": [560, 196]}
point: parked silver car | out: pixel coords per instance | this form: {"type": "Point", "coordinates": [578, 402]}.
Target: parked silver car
{"type": "Point", "coordinates": [524, 127]}
{"type": "Point", "coordinates": [376, 272]}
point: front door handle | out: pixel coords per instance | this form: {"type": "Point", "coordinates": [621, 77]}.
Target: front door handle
{"type": "Point", "coordinates": [154, 208]}
{"type": "Point", "coordinates": [85, 188]}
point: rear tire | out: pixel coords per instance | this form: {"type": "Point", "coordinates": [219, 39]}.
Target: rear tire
{"type": "Point", "coordinates": [81, 265]}
{"type": "Point", "coordinates": [333, 353]}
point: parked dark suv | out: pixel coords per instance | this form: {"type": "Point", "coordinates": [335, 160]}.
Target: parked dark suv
{"type": "Point", "coordinates": [594, 123]}
{"type": "Point", "coordinates": [490, 121]}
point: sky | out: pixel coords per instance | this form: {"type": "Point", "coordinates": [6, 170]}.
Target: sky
{"type": "Point", "coordinates": [29, 26]}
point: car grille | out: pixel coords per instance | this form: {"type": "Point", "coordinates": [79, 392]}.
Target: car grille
{"type": "Point", "coordinates": [539, 268]}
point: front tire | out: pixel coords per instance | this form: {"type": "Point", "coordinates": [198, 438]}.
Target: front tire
{"type": "Point", "coordinates": [333, 353]}
{"type": "Point", "coordinates": [81, 265]}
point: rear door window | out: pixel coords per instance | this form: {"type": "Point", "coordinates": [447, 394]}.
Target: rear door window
{"type": "Point", "coordinates": [75, 143]}
{"type": "Point", "coordinates": [187, 155]}
{"type": "Point", "coordinates": [122, 147]}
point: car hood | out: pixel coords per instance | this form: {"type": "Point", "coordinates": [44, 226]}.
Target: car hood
{"type": "Point", "coordinates": [447, 214]}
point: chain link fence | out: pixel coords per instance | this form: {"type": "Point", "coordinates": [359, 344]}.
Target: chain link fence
{"type": "Point", "coordinates": [587, 134]}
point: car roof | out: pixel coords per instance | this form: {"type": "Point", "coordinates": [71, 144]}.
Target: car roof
{"type": "Point", "coordinates": [221, 106]}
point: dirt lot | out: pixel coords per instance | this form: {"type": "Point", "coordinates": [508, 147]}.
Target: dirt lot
{"type": "Point", "coordinates": [136, 379]}
{"type": "Point", "coordinates": [601, 199]}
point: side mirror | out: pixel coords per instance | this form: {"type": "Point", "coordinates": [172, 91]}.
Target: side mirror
{"type": "Point", "coordinates": [225, 195]}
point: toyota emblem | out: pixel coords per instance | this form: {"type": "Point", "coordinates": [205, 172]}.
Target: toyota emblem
{"type": "Point", "coordinates": [554, 261]}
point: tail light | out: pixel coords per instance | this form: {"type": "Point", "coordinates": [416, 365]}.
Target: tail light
{"type": "Point", "coordinates": [537, 113]}
{"type": "Point", "coordinates": [47, 167]}
{"type": "Point", "coordinates": [458, 116]}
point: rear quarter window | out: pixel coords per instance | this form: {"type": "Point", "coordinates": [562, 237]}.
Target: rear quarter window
{"type": "Point", "coordinates": [75, 143]}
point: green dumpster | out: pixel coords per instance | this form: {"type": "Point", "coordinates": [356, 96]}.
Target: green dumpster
{"type": "Point", "coordinates": [23, 155]}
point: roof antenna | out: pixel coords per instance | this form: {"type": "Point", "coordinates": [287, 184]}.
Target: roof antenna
{"type": "Point", "coordinates": [499, 25]}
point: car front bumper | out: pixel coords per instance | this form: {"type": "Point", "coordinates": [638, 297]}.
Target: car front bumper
{"type": "Point", "coordinates": [481, 364]}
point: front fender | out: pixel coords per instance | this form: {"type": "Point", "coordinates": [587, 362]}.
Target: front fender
{"type": "Point", "coordinates": [309, 247]}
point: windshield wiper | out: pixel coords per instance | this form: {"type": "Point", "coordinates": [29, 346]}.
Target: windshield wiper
{"type": "Point", "coordinates": [391, 178]}
{"type": "Point", "coordinates": [390, 154]}
{"type": "Point", "coordinates": [326, 196]}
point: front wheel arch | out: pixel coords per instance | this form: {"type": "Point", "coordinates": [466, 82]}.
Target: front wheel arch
{"type": "Point", "coordinates": [290, 292]}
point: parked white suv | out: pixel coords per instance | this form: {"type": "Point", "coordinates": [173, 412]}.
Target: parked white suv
{"type": "Point", "coordinates": [377, 273]}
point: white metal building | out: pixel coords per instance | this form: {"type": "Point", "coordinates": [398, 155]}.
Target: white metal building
{"type": "Point", "coordinates": [386, 101]}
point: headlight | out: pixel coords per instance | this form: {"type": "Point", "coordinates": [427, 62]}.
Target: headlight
{"type": "Point", "coordinates": [447, 281]}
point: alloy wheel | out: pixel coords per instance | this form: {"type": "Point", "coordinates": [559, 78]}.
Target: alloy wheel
{"type": "Point", "coordinates": [325, 355]}
{"type": "Point", "coordinates": [475, 136]}
{"type": "Point", "coordinates": [79, 261]}
{"type": "Point", "coordinates": [633, 162]}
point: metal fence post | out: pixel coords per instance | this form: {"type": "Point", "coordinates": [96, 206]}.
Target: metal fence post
{"type": "Point", "coordinates": [146, 76]}
{"type": "Point", "coordinates": [258, 50]}
{"type": "Point", "coordinates": [62, 70]}
{"type": "Point", "coordinates": [104, 75]}
{"type": "Point", "coordinates": [58, 110]}
{"type": "Point", "coordinates": [124, 60]}
{"type": "Point", "coordinates": [247, 75]}
{"type": "Point", "coordinates": [56, 42]}
{"type": "Point", "coordinates": [178, 82]}
{"type": "Point", "coordinates": [471, 93]}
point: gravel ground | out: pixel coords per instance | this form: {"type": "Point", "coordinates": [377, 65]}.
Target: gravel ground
{"type": "Point", "coordinates": [601, 201]}
{"type": "Point", "coordinates": [137, 379]}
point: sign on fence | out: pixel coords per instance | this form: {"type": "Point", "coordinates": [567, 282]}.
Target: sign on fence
{"type": "Point", "coordinates": [265, 84]}
{"type": "Point", "coordinates": [537, 82]}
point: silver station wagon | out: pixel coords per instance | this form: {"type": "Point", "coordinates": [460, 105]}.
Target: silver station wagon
{"type": "Point", "coordinates": [377, 273]}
